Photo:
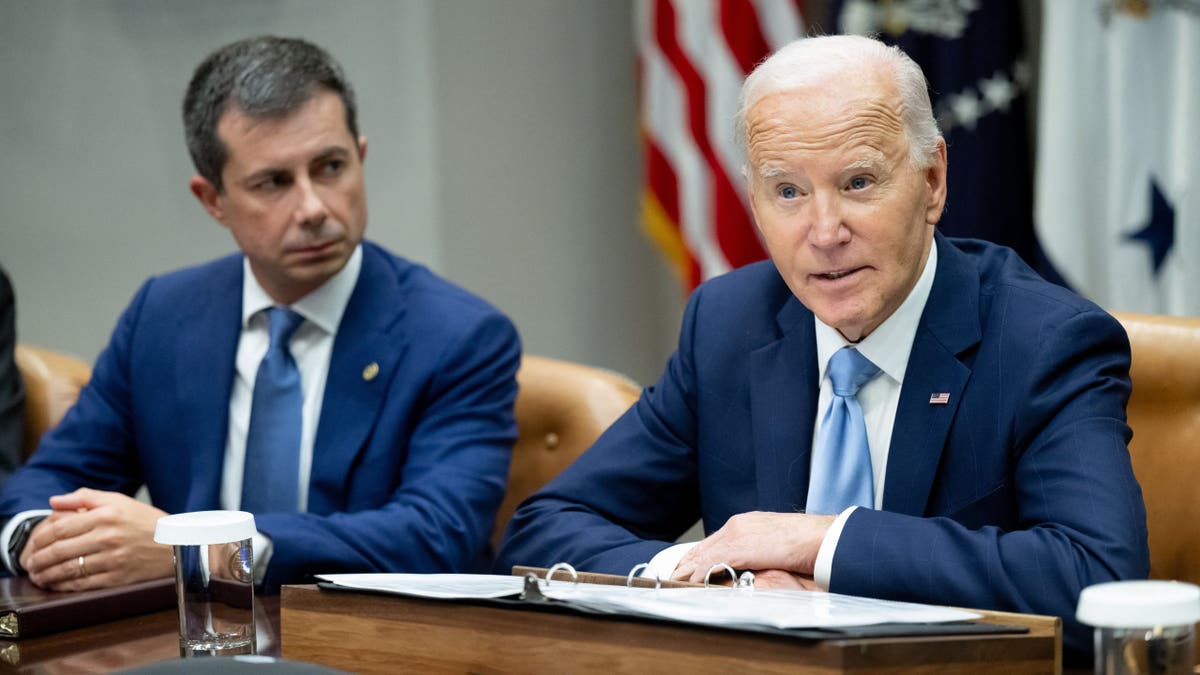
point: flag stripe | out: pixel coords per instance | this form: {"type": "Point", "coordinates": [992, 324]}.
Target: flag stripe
{"type": "Point", "coordinates": [693, 55]}
{"type": "Point", "coordinates": [739, 22]}
{"type": "Point", "coordinates": [664, 233]}
{"type": "Point", "coordinates": [780, 20]}
{"type": "Point", "coordinates": [660, 208]}
{"type": "Point", "coordinates": [665, 120]}
{"type": "Point", "coordinates": [667, 27]}
{"type": "Point", "coordinates": [707, 50]}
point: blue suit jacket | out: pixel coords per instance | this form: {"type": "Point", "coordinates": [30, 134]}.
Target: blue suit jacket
{"type": "Point", "coordinates": [408, 467]}
{"type": "Point", "coordinates": [1015, 495]}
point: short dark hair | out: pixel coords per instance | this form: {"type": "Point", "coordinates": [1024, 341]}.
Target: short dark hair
{"type": "Point", "coordinates": [265, 77]}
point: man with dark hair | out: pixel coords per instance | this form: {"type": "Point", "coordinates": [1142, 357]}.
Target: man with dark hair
{"type": "Point", "coordinates": [878, 410]}
{"type": "Point", "coordinates": [358, 405]}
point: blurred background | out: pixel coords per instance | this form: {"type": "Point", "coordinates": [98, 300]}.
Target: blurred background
{"type": "Point", "coordinates": [572, 160]}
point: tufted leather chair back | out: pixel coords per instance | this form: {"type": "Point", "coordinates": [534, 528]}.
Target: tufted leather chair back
{"type": "Point", "coordinates": [1164, 413]}
{"type": "Point", "coordinates": [52, 383]}
{"type": "Point", "coordinates": [561, 409]}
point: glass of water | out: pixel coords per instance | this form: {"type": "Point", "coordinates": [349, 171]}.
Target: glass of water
{"type": "Point", "coordinates": [214, 580]}
{"type": "Point", "coordinates": [1142, 627]}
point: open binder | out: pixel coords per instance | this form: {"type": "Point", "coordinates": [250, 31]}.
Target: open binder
{"type": "Point", "coordinates": [797, 614]}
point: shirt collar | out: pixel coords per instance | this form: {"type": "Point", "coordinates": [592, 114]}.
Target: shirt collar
{"type": "Point", "coordinates": [889, 345]}
{"type": "Point", "coordinates": [323, 307]}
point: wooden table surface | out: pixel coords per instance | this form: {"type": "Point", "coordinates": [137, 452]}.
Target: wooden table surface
{"type": "Point", "coordinates": [153, 638]}
{"type": "Point", "coordinates": [125, 643]}
{"type": "Point", "coordinates": [367, 633]}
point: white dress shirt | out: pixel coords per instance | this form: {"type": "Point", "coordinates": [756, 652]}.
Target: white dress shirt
{"type": "Point", "coordinates": [311, 347]}
{"type": "Point", "coordinates": [888, 347]}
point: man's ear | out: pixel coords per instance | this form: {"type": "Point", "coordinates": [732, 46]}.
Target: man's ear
{"type": "Point", "coordinates": [362, 148]}
{"type": "Point", "coordinates": [935, 183]}
{"type": "Point", "coordinates": [209, 197]}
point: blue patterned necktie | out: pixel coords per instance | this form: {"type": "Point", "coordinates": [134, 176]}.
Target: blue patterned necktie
{"type": "Point", "coordinates": [841, 474]}
{"type": "Point", "coordinates": [271, 480]}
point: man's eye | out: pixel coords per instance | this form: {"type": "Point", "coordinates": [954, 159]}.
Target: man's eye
{"type": "Point", "coordinates": [333, 166]}
{"type": "Point", "coordinates": [271, 183]}
{"type": "Point", "coordinates": [788, 191]}
{"type": "Point", "coordinates": [859, 183]}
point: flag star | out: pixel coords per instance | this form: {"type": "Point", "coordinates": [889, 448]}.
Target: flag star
{"type": "Point", "coordinates": [998, 91]}
{"type": "Point", "coordinates": [967, 109]}
{"type": "Point", "coordinates": [1159, 231]}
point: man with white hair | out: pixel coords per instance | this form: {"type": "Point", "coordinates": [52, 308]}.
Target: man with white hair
{"type": "Point", "coordinates": [882, 411]}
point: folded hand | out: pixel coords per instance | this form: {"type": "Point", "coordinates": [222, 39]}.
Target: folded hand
{"type": "Point", "coordinates": [758, 541]}
{"type": "Point", "coordinates": [95, 539]}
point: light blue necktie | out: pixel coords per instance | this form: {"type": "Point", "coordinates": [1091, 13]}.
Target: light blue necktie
{"type": "Point", "coordinates": [841, 473]}
{"type": "Point", "coordinates": [271, 480]}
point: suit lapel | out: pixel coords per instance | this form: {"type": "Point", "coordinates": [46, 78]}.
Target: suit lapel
{"type": "Point", "coordinates": [366, 351]}
{"type": "Point", "coordinates": [783, 404]}
{"type": "Point", "coordinates": [206, 337]}
{"type": "Point", "coordinates": [949, 326]}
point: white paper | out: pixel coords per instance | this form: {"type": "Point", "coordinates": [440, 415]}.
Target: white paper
{"type": "Point", "coordinates": [720, 606]}
{"type": "Point", "coordinates": [745, 607]}
{"type": "Point", "coordinates": [438, 586]}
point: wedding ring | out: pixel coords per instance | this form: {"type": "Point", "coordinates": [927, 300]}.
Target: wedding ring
{"type": "Point", "coordinates": [82, 567]}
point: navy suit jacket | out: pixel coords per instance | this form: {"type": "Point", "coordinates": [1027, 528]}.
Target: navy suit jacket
{"type": "Point", "coordinates": [1014, 495]}
{"type": "Point", "coordinates": [409, 467]}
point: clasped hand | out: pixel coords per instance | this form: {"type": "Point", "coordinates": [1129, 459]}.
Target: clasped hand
{"type": "Point", "coordinates": [781, 549]}
{"type": "Point", "coordinates": [95, 539]}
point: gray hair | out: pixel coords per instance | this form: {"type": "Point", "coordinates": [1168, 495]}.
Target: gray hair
{"type": "Point", "coordinates": [809, 60]}
{"type": "Point", "coordinates": [265, 77]}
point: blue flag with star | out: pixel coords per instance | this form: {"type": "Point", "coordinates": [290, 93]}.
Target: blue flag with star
{"type": "Point", "coordinates": [1117, 204]}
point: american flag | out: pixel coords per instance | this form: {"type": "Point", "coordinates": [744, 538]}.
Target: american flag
{"type": "Point", "coordinates": [692, 58]}
{"type": "Point", "coordinates": [940, 398]}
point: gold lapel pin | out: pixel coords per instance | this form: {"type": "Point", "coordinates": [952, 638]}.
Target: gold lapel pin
{"type": "Point", "coordinates": [370, 371]}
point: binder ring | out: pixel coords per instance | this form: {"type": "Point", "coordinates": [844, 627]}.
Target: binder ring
{"type": "Point", "coordinates": [720, 566]}
{"type": "Point", "coordinates": [638, 568]}
{"type": "Point", "coordinates": [562, 566]}
{"type": "Point", "coordinates": [746, 580]}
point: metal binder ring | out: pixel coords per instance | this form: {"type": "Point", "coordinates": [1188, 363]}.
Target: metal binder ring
{"type": "Point", "coordinates": [746, 580]}
{"type": "Point", "coordinates": [638, 568]}
{"type": "Point", "coordinates": [720, 566]}
{"type": "Point", "coordinates": [562, 566]}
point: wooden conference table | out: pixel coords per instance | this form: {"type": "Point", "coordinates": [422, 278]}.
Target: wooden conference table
{"type": "Point", "coordinates": [372, 633]}
{"type": "Point", "coordinates": [122, 644]}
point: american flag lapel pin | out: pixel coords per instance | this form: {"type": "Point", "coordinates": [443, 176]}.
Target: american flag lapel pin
{"type": "Point", "coordinates": [939, 398]}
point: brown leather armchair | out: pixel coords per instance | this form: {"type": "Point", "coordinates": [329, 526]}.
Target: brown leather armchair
{"type": "Point", "coordinates": [52, 383]}
{"type": "Point", "coordinates": [561, 410]}
{"type": "Point", "coordinates": [1164, 413]}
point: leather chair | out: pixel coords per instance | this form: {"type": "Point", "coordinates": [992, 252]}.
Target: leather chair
{"type": "Point", "coordinates": [1164, 413]}
{"type": "Point", "coordinates": [52, 383]}
{"type": "Point", "coordinates": [561, 409]}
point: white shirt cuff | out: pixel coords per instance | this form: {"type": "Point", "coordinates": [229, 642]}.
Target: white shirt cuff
{"type": "Point", "coordinates": [263, 548]}
{"type": "Point", "coordinates": [663, 565]}
{"type": "Point", "coordinates": [823, 568]}
{"type": "Point", "coordinates": [7, 532]}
